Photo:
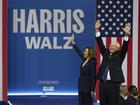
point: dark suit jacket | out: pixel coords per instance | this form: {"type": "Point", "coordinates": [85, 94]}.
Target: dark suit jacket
{"type": "Point", "coordinates": [122, 101]}
{"type": "Point", "coordinates": [87, 78]}
{"type": "Point", "coordinates": [132, 100]}
{"type": "Point", "coordinates": [114, 61]}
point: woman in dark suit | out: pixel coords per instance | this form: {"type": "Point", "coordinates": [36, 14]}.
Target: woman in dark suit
{"type": "Point", "coordinates": [87, 78]}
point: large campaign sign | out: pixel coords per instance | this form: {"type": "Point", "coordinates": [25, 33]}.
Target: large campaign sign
{"type": "Point", "coordinates": [40, 53]}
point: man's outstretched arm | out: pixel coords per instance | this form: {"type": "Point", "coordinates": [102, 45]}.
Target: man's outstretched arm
{"type": "Point", "coordinates": [98, 37]}
{"type": "Point", "coordinates": [124, 48]}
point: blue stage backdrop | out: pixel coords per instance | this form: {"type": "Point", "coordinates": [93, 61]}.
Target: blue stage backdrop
{"type": "Point", "coordinates": [39, 51]}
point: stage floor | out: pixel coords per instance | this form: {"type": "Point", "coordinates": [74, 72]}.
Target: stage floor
{"type": "Point", "coordinates": [49, 100]}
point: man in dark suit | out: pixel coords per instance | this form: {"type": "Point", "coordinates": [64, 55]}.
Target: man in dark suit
{"type": "Point", "coordinates": [110, 72]}
{"type": "Point", "coordinates": [132, 98]}
{"type": "Point", "coordinates": [123, 97]}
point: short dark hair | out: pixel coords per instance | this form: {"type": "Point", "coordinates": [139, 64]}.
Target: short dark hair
{"type": "Point", "coordinates": [131, 89]}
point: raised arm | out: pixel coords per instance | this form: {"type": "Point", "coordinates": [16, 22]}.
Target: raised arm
{"type": "Point", "coordinates": [98, 37]}
{"type": "Point", "coordinates": [77, 49]}
{"type": "Point", "coordinates": [124, 48]}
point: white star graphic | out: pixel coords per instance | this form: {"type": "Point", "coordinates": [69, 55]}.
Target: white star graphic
{"type": "Point", "coordinates": [102, 28]}
{"type": "Point", "coordinates": [122, 6]}
{"type": "Point", "coordinates": [114, 15]}
{"type": "Point", "coordinates": [99, 15]}
{"type": "Point", "coordinates": [110, 28]}
{"type": "Point", "coordinates": [129, 15]}
{"type": "Point", "coordinates": [129, 6]}
{"type": "Point", "coordinates": [117, 28]}
{"type": "Point", "coordinates": [118, 19]}
{"type": "Point", "coordinates": [118, 2]}
{"type": "Point", "coordinates": [106, 6]}
{"type": "Point", "coordinates": [121, 24]}
{"type": "Point", "coordinates": [102, 19]}
{"type": "Point", "coordinates": [114, 24]}
{"type": "Point", "coordinates": [99, 6]}
{"type": "Point", "coordinates": [125, 20]}
{"type": "Point", "coordinates": [125, 2]}
{"type": "Point", "coordinates": [106, 15]}
{"type": "Point", "coordinates": [106, 33]}
{"type": "Point", "coordinates": [110, 11]}
{"type": "Point", "coordinates": [110, 2]}
{"type": "Point", "coordinates": [121, 33]}
{"type": "Point", "coordinates": [121, 15]}
{"type": "Point", "coordinates": [114, 6]}
{"type": "Point", "coordinates": [103, 2]}
{"type": "Point", "coordinates": [118, 11]}
{"type": "Point", "coordinates": [125, 11]}
{"type": "Point", "coordinates": [113, 33]}
{"type": "Point", "coordinates": [106, 24]}
{"type": "Point", "coordinates": [110, 19]}
{"type": "Point", "coordinates": [102, 10]}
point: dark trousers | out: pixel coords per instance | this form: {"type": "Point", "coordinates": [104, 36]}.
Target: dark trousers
{"type": "Point", "coordinates": [109, 93]}
{"type": "Point", "coordinates": [85, 98]}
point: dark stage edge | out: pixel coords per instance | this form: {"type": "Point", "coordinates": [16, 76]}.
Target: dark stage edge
{"type": "Point", "coordinates": [49, 100]}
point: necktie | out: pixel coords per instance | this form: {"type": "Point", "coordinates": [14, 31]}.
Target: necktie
{"type": "Point", "coordinates": [105, 73]}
